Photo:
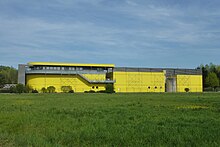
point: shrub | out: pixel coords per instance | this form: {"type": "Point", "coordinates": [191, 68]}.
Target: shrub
{"type": "Point", "coordinates": [90, 91]}
{"type": "Point", "coordinates": [71, 91]}
{"type": "Point", "coordinates": [5, 91]}
{"type": "Point", "coordinates": [12, 89]}
{"type": "Point", "coordinates": [28, 89]}
{"type": "Point", "coordinates": [208, 89]}
{"type": "Point", "coordinates": [66, 89]}
{"type": "Point", "coordinates": [34, 91]}
{"type": "Point", "coordinates": [51, 89]}
{"type": "Point", "coordinates": [109, 88]}
{"type": "Point", "coordinates": [44, 90]}
{"type": "Point", "coordinates": [20, 88]}
{"type": "Point", "coordinates": [187, 89]}
{"type": "Point", "coordinates": [101, 91]}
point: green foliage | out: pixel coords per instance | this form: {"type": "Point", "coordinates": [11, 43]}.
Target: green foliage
{"type": "Point", "coordinates": [109, 88]}
{"type": "Point", "coordinates": [20, 88]}
{"type": "Point", "coordinates": [206, 69]}
{"type": "Point", "coordinates": [51, 89]}
{"type": "Point", "coordinates": [71, 91]}
{"type": "Point", "coordinates": [2, 80]}
{"type": "Point", "coordinates": [152, 119]}
{"type": "Point", "coordinates": [34, 91]}
{"type": "Point", "coordinates": [66, 89]}
{"type": "Point", "coordinates": [44, 90]}
{"type": "Point", "coordinates": [187, 89]}
{"type": "Point", "coordinates": [212, 80]}
{"type": "Point", "coordinates": [8, 75]}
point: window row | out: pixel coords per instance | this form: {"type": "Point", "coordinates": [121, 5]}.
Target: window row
{"type": "Point", "coordinates": [70, 68]}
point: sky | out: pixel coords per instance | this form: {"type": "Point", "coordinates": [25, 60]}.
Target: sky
{"type": "Point", "coordinates": [134, 33]}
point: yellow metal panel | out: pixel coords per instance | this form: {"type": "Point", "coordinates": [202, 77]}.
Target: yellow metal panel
{"type": "Point", "coordinates": [139, 81]}
{"type": "Point", "coordinates": [78, 84]}
{"type": "Point", "coordinates": [193, 82]}
{"type": "Point", "coordinates": [69, 64]}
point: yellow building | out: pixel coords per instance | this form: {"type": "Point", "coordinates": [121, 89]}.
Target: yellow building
{"type": "Point", "coordinates": [95, 77]}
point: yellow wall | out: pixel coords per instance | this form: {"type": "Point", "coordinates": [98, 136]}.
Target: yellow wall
{"type": "Point", "coordinates": [125, 82]}
{"type": "Point", "coordinates": [193, 82]}
{"type": "Point", "coordinates": [139, 81]}
{"type": "Point", "coordinates": [78, 84]}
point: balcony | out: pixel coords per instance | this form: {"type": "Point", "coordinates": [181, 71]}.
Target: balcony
{"type": "Point", "coordinates": [64, 72]}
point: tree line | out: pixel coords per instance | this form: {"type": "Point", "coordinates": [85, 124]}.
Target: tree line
{"type": "Point", "coordinates": [211, 76]}
{"type": "Point", "coordinates": [8, 75]}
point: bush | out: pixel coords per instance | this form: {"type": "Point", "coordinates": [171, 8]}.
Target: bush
{"type": "Point", "coordinates": [101, 91]}
{"type": "Point", "coordinates": [71, 91]}
{"type": "Point", "coordinates": [34, 91]}
{"type": "Point", "coordinates": [90, 91]}
{"type": "Point", "coordinates": [217, 89]}
{"type": "Point", "coordinates": [187, 89]}
{"type": "Point", "coordinates": [208, 89]}
{"type": "Point", "coordinates": [66, 89]}
{"type": "Point", "coordinates": [28, 89]}
{"type": "Point", "coordinates": [5, 91]}
{"type": "Point", "coordinates": [109, 88]}
{"type": "Point", "coordinates": [51, 89]}
{"type": "Point", "coordinates": [44, 90]}
{"type": "Point", "coordinates": [20, 88]}
{"type": "Point", "coordinates": [13, 89]}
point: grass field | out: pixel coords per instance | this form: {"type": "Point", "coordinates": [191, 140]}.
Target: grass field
{"type": "Point", "coordinates": [166, 119]}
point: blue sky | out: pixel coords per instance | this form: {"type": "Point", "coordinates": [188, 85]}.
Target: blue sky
{"type": "Point", "coordinates": [136, 33]}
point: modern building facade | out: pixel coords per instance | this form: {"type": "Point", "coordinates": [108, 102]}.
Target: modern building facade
{"type": "Point", "coordinates": [86, 77]}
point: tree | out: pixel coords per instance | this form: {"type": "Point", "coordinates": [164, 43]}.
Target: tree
{"type": "Point", "coordinates": [66, 89]}
{"type": "Point", "coordinates": [8, 75]}
{"type": "Point", "coordinates": [2, 80]}
{"type": "Point", "coordinates": [208, 68]}
{"type": "Point", "coordinates": [51, 89]}
{"type": "Point", "coordinates": [212, 80]}
{"type": "Point", "coordinates": [44, 90]}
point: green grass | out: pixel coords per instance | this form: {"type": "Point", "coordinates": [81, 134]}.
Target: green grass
{"type": "Point", "coordinates": [166, 119]}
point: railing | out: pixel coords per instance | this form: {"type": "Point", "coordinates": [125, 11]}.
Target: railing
{"type": "Point", "coordinates": [63, 72]}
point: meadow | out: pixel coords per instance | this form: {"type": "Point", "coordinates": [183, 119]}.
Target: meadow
{"type": "Point", "coordinates": [144, 119]}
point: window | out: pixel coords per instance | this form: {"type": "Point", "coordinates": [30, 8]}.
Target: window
{"type": "Point", "coordinates": [161, 87]}
{"type": "Point", "coordinates": [93, 87]}
{"type": "Point", "coordinates": [110, 69]}
{"type": "Point", "coordinates": [155, 87]}
{"type": "Point", "coordinates": [97, 87]}
{"type": "Point", "coordinates": [58, 68]}
{"type": "Point", "coordinates": [48, 68]}
{"type": "Point", "coordinates": [148, 87]}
